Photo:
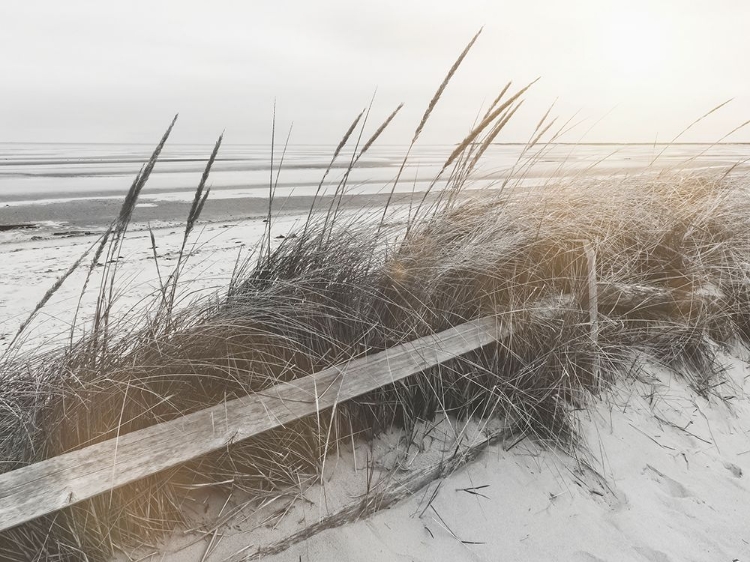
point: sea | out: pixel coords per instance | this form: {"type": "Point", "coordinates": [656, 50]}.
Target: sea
{"type": "Point", "coordinates": [79, 186]}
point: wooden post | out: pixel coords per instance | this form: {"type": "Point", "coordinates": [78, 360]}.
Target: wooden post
{"type": "Point", "coordinates": [593, 310]}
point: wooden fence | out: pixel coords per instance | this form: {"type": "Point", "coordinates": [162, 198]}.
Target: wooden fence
{"type": "Point", "coordinates": [58, 482]}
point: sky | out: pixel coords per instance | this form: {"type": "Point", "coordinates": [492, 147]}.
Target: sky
{"type": "Point", "coordinates": [116, 71]}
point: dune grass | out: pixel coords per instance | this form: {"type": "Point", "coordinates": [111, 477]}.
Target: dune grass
{"type": "Point", "coordinates": [672, 252]}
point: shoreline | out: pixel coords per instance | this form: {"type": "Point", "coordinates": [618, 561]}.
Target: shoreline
{"type": "Point", "coordinates": [92, 216]}
{"type": "Point", "coordinates": [94, 211]}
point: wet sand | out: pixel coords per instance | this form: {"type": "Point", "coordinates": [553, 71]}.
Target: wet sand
{"type": "Point", "coordinates": [95, 214]}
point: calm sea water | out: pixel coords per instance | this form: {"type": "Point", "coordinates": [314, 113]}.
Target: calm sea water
{"type": "Point", "coordinates": [44, 173]}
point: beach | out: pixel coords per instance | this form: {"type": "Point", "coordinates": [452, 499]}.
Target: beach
{"type": "Point", "coordinates": [374, 281]}
{"type": "Point", "coordinates": [55, 200]}
{"type": "Point", "coordinates": [654, 456]}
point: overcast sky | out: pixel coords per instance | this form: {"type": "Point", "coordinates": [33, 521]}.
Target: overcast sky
{"type": "Point", "coordinates": [78, 70]}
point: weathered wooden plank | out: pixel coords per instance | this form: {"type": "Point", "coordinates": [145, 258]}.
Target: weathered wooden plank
{"type": "Point", "coordinates": [50, 485]}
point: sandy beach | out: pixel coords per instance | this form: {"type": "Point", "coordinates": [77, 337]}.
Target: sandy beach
{"type": "Point", "coordinates": [662, 477]}
{"type": "Point", "coordinates": [374, 281]}
{"type": "Point", "coordinates": [659, 475]}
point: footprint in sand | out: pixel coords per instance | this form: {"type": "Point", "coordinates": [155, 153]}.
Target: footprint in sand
{"type": "Point", "coordinates": [670, 486]}
{"type": "Point", "coordinates": [734, 469]}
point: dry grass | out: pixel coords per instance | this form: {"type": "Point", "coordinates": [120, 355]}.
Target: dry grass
{"type": "Point", "coordinates": [516, 253]}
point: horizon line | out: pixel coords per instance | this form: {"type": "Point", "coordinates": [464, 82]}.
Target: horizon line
{"type": "Point", "coordinates": [603, 143]}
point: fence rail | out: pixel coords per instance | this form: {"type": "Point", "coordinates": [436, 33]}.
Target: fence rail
{"type": "Point", "coordinates": [58, 482]}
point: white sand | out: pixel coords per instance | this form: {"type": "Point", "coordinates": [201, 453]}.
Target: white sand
{"type": "Point", "coordinates": [29, 268]}
{"type": "Point", "coordinates": [653, 492]}
{"type": "Point", "coordinates": [643, 490]}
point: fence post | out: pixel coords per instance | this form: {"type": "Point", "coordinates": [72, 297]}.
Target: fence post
{"type": "Point", "coordinates": [593, 311]}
